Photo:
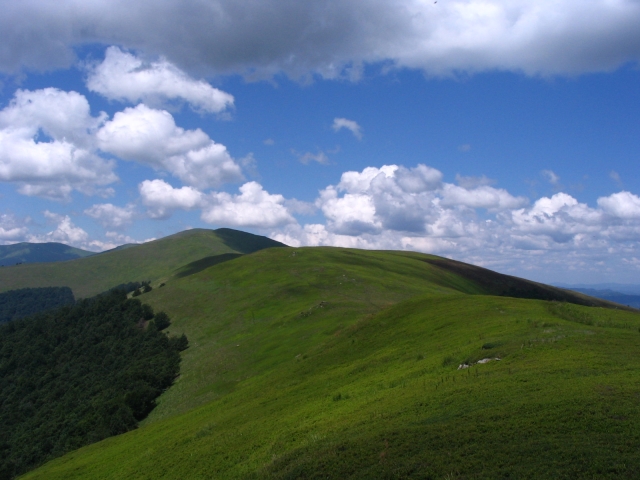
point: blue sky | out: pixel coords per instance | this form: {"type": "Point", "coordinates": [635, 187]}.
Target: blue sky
{"type": "Point", "coordinates": [505, 134]}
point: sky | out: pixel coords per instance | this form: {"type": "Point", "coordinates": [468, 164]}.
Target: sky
{"type": "Point", "coordinates": [500, 133]}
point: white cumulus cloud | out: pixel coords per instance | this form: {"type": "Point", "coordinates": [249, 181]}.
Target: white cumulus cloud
{"type": "Point", "coordinates": [359, 182]}
{"type": "Point", "coordinates": [253, 207]}
{"type": "Point", "coordinates": [560, 217]}
{"type": "Point", "coordinates": [162, 199]}
{"type": "Point", "coordinates": [350, 214]}
{"type": "Point", "coordinates": [125, 77]}
{"type": "Point", "coordinates": [400, 199]}
{"type": "Point", "coordinates": [46, 139]}
{"type": "Point", "coordinates": [624, 205]}
{"type": "Point", "coordinates": [12, 229]}
{"type": "Point", "coordinates": [151, 137]}
{"type": "Point", "coordinates": [65, 232]}
{"type": "Point", "coordinates": [112, 216]}
{"type": "Point", "coordinates": [483, 196]}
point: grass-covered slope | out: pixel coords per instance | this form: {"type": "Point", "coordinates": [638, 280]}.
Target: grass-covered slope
{"type": "Point", "coordinates": [330, 363]}
{"type": "Point", "coordinates": [150, 261]}
{"type": "Point", "coordinates": [39, 252]}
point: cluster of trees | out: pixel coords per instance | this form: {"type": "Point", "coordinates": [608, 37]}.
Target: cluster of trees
{"type": "Point", "coordinates": [132, 286]}
{"type": "Point", "coordinates": [79, 374]}
{"type": "Point", "coordinates": [145, 288]}
{"type": "Point", "coordinates": [24, 302]}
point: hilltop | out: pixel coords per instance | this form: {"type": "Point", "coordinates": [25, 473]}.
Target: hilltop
{"type": "Point", "coordinates": [152, 261]}
{"type": "Point", "coordinates": [340, 363]}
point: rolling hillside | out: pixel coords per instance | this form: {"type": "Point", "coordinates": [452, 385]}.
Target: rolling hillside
{"type": "Point", "coordinates": [338, 363]}
{"type": "Point", "coordinates": [154, 261]}
{"type": "Point", "coordinates": [39, 253]}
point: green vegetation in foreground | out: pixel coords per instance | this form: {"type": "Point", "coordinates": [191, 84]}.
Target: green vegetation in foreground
{"type": "Point", "coordinates": [39, 253]}
{"type": "Point", "coordinates": [154, 261]}
{"type": "Point", "coordinates": [330, 363]}
{"type": "Point", "coordinates": [79, 374]}
{"type": "Point", "coordinates": [24, 302]}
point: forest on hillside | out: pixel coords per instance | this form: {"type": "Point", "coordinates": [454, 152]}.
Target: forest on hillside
{"type": "Point", "coordinates": [78, 374]}
{"type": "Point", "coordinates": [24, 302]}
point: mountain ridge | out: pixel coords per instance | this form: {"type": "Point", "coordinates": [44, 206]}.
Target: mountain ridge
{"type": "Point", "coordinates": [26, 252]}
{"type": "Point", "coordinates": [152, 261]}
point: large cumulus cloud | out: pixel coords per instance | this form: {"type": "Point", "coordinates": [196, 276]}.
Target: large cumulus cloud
{"type": "Point", "coordinates": [410, 200]}
{"type": "Point", "coordinates": [46, 144]}
{"type": "Point", "coordinates": [331, 38]}
{"type": "Point", "coordinates": [123, 76]}
{"type": "Point", "coordinates": [162, 199]}
{"type": "Point", "coordinates": [51, 145]}
{"type": "Point", "coordinates": [151, 137]}
{"type": "Point", "coordinates": [252, 207]}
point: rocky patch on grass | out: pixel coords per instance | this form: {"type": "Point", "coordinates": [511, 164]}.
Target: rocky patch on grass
{"type": "Point", "coordinates": [484, 360]}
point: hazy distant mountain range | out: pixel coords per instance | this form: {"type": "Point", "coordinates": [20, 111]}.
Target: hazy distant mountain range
{"type": "Point", "coordinates": [612, 296]}
{"type": "Point", "coordinates": [39, 253]}
{"type": "Point", "coordinates": [624, 288]}
{"type": "Point", "coordinates": [624, 294]}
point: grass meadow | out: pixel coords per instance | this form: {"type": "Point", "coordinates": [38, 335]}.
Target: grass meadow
{"type": "Point", "coordinates": [335, 363]}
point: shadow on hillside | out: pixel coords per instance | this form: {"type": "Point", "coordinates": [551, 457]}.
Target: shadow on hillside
{"type": "Point", "coordinates": [206, 262]}
{"type": "Point", "coordinates": [245, 242]}
{"type": "Point", "coordinates": [493, 283]}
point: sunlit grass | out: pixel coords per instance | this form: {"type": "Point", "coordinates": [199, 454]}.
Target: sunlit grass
{"type": "Point", "coordinates": [331, 363]}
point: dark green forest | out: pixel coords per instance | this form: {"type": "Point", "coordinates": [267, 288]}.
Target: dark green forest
{"type": "Point", "coordinates": [78, 374]}
{"type": "Point", "coordinates": [24, 302]}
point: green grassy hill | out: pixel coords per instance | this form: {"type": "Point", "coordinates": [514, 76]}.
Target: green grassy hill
{"type": "Point", "coordinates": [154, 261]}
{"type": "Point", "coordinates": [39, 252]}
{"type": "Point", "coordinates": [337, 363]}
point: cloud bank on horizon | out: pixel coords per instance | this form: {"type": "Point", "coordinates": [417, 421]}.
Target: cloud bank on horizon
{"type": "Point", "coordinates": [56, 147]}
